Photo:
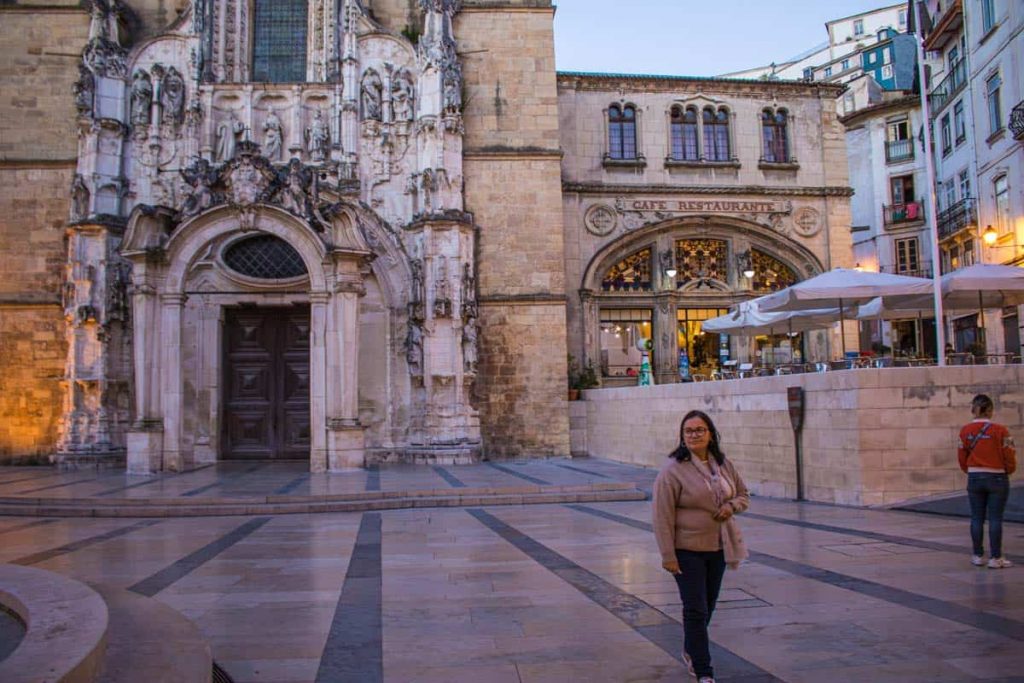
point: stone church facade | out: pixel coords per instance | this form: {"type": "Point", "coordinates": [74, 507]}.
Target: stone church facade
{"type": "Point", "coordinates": [351, 231]}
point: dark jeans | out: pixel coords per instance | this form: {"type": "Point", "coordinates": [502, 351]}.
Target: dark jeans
{"type": "Point", "coordinates": [988, 493]}
{"type": "Point", "coordinates": [699, 581]}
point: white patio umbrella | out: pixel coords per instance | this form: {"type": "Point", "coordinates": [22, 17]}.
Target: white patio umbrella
{"type": "Point", "coordinates": [750, 322]}
{"type": "Point", "coordinates": [900, 308]}
{"type": "Point", "coordinates": [981, 286]}
{"type": "Point", "coordinates": [842, 287]}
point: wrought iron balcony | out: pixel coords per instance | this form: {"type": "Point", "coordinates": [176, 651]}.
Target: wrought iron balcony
{"type": "Point", "coordinates": [896, 215]}
{"type": "Point", "coordinates": [1017, 121]}
{"type": "Point", "coordinates": [948, 87]}
{"type": "Point", "coordinates": [962, 215]}
{"type": "Point", "coordinates": [923, 270]}
{"type": "Point", "coordinates": [899, 150]}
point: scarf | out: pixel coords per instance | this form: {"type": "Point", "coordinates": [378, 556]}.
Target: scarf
{"type": "Point", "coordinates": [732, 538]}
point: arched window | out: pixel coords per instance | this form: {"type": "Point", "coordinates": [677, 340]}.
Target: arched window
{"type": "Point", "coordinates": [770, 274]}
{"type": "Point", "coordinates": [279, 41]}
{"type": "Point", "coordinates": [773, 129]}
{"type": "Point", "coordinates": [716, 134]}
{"type": "Point", "coordinates": [684, 134]}
{"type": "Point", "coordinates": [700, 261]}
{"type": "Point", "coordinates": [622, 132]}
{"type": "Point", "coordinates": [633, 273]}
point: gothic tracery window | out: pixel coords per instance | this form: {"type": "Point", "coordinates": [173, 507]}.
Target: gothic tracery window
{"type": "Point", "coordinates": [633, 273]}
{"type": "Point", "coordinates": [622, 132]}
{"type": "Point", "coordinates": [684, 134]}
{"type": "Point", "coordinates": [770, 274]}
{"type": "Point", "coordinates": [775, 136]}
{"type": "Point", "coordinates": [699, 261]}
{"type": "Point", "coordinates": [716, 134]}
{"type": "Point", "coordinates": [279, 41]}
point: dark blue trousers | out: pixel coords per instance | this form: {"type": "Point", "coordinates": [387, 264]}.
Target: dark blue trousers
{"type": "Point", "coordinates": [988, 493]}
{"type": "Point", "coordinates": [699, 581]}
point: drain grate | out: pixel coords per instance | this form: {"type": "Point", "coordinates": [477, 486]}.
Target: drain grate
{"type": "Point", "coordinates": [220, 675]}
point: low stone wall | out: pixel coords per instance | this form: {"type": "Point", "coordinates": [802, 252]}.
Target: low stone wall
{"type": "Point", "coordinates": [871, 437]}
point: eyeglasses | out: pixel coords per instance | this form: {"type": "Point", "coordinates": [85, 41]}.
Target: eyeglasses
{"type": "Point", "coordinates": [697, 431]}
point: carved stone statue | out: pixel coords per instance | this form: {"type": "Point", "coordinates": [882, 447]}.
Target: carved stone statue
{"type": "Point", "coordinates": [294, 197]}
{"type": "Point", "coordinates": [228, 131]}
{"type": "Point", "coordinates": [84, 90]}
{"type": "Point", "coordinates": [414, 350]}
{"type": "Point", "coordinates": [142, 98]}
{"type": "Point", "coordinates": [469, 307]}
{"type": "Point", "coordinates": [272, 137]}
{"type": "Point", "coordinates": [200, 176]}
{"type": "Point", "coordinates": [79, 199]}
{"type": "Point", "coordinates": [172, 97]}
{"type": "Point", "coordinates": [318, 137]}
{"type": "Point", "coordinates": [417, 280]}
{"type": "Point", "coordinates": [469, 345]}
{"type": "Point", "coordinates": [370, 94]}
{"type": "Point", "coordinates": [402, 98]}
{"type": "Point", "coordinates": [452, 90]}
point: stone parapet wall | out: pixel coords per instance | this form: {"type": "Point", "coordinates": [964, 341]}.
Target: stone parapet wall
{"type": "Point", "coordinates": [871, 437]}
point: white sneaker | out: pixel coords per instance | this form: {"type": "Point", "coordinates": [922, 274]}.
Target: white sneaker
{"type": "Point", "coordinates": [705, 679]}
{"type": "Point", "coordinates": [977, 560]}
{"type": "Point", "coordinates": [999, 563]}
{"type": "Point", "coordinates": [689, 664]}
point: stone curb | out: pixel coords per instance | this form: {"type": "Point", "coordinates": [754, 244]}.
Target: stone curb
{"type": "Point", "coordinates": [220, 507]}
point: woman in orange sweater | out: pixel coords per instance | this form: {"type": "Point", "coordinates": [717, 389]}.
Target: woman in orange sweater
{"type": "Point", "coordinates": [696, 495]}
{"type": "Point", "coordinates": [987, 455]}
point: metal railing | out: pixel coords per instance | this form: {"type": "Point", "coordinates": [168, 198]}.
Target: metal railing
{"type": "Point", "coordinates": [957, 217]}
{"type": "Point", "coordinates": [899, 150]}
{"type": "Point", "coordinates": [896, 214]}
{"type": "Point", "coordinates": [949, 86]}
{"type": "Point", "coordinates": [1017, 121]}
{"type": "Point", "coordinates": [924, 270]}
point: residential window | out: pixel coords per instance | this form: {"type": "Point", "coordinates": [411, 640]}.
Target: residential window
{"type": "Point", "coordinates": [902, 188]}
{"type": "Point", "coordinates": [809, 73]}
{"type": "Point", "coordinates": [846, 64]}
{"type": "Point", "coordinates": [959, 122]}
{"type": "Point", "coordinates": [774, 135]}
{"type": "Point", "coordinates": [279, 41]}
{"type": "Point", "coordinates": [988, 15]}
{"type": "Point", "coordinates": [716, 134]}
{"type": "Point", "coordinates": [887, 71]}
{"type": "Point", "coordinates": [947, 136]}
{"type": "Point", "coordinates": [828, 71]}
{"type": "Point", "coordinates": [965, 184]}
{"type": "Point", "coordinates": [1002, 189]}
{"type": "Point", "coordinates": [995, 113]}
{"type": "Point", "coordinates": [953, 57]}
{"type": "Point", "coordinates": [950, 187]}
{"type": "Point", "coordinates": [858, 27]}
{"type": "Point", "coordinates": [622, 132]}
{"type": "Point", "coordinates": [886, 55]}
{"type": "Point", "coordinates": [968, 253]}
{"type": "Point", "coordinates": [908, 255]}
{"type": "Point", "coordinates": [848, 103]}
{"type": "Point", "coordinates": [903, 17]}
{"type": "Point", "coordinates": [684, 134]}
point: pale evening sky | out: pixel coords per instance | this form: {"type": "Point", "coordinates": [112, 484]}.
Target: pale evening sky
{"type": "Point", "coordinates": [691, 37]}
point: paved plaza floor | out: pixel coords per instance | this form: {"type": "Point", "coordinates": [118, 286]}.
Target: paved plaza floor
{"type": "Point", "coordinates": [533, 593]}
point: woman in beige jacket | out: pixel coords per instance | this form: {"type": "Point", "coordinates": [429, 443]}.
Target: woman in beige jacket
{"type": "Point", "coordinates": [695, 497]}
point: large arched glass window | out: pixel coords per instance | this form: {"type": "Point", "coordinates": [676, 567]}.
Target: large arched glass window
{"type": "Point", "coordinates": [279, 41]}
{"type": "Point", "coordinates": [622, 132]}
{"type": "Point", "coordinates": [773, 128]}
{"type": "Point", "coordinates": [770, 274]}
{"type": "Point", "coordinates": [701, 261]}
{"type": "Point", "coordinates": [633, 273]}
{"type": "Point", "coordinates": [684, 134]}
{"type": "Point", "coordinates": [716, 134]}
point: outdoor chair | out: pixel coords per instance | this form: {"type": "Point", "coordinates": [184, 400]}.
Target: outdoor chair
{"type": "Point", "coordinates": [746, 370]}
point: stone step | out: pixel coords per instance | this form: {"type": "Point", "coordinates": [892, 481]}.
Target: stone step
{"type": "Point", "coordinates": [361, 502]}
{"type": "Point", "coordinates": [149, 641]}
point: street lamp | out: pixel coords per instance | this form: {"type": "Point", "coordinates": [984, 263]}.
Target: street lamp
{"type": "Point", "coordinates": [745, 261]}
{"type": "Point", "coordinates": [990, 235]}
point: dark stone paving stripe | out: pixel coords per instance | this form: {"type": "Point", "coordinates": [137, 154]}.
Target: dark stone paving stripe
{"type": "Point", "coordinates": [55, 486]}
{"type": "Point", "coordinates": [28, 525]}
{"type": "Point", "coordinates": [922, 603]}
{"type": "Point", "coordinates": [651, 623]}
{"type": "Point", "coordinates": [292, 485]}
{"type": "Point", "coordinates": [580, 469]}
{"type": "Point", "coordinates": [373, 478]}
{"type": "Point", "coordinates": [354, 652]}
{"type": "Point", "coordinates": [527, 477]}
{"type": "Point", "coordinates": [110, 492]}
{"type": "Point", "coordinates": [33, 478]}
{"type": "Point", "coordinates": [452, 480]}
{"type": "Point", "coordinates": [872, 535]}
{"type": "Point", "coordinates": [152, 585]}
{"type": "Point", "coordinates": [74, 546]}
{"type": "Point", "coordinates": [222, 481]}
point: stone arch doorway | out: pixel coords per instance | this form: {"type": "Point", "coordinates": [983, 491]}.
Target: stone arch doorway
{"type": "Point", "coordinates": [660, 282]}
{"type": "Point", "coordinates": [207, 329]}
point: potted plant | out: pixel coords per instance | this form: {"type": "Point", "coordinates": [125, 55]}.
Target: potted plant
{"type": "Point", "coordinates": [581, 378]}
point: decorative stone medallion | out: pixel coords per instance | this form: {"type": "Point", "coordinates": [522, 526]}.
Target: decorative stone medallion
{"type": "Point", "coordinates": [807, 221]}
{"type": "Point", "coordinates": [600, 220]}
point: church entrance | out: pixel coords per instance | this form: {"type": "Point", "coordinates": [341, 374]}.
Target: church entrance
{"type": "Point", "coordinates": [266, 384]}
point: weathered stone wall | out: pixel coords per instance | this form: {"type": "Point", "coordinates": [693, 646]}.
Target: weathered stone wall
{"type": "Point", "coordinates": [870, 437]}
{"type": "Point", "coordinates": [513, 189]}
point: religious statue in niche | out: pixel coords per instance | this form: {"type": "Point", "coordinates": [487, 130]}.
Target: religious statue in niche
{"type": "Point", "coordinates": [172, 97]}
{"type": "Point", "coordinates": [414, 349]}
{"type": "Point", "coordinates": [318, 137]}
{"type": "Point", "coordinates": [200, 176]}
{"type": "Point", "coordinates": [469, 307]}
{"type": "Point", "coordinates": [142, 98]}
{"type": "Point", "coordinates": [442, 293]}
{"type": "Point", "coordinates": [272, 137]}
{"type": "Point", "coordinates": [402, 97]}
{"type": "Point", "coordinates": [418, 294]}
{"type": "Point", "coordinates": [79, 199]}
{"type": "Point", "coordinates": [84, 90]}
{"type": "Point", "coordinates": [294, 180]}
{"type": "Point", "coordinates": [469, 345]}
{"type": "Point", "coordinates": [452, 90]}
{"type": "Point", "coordinates": [370, 95]}
{"type": "Point", "coordinates": [228, 131]}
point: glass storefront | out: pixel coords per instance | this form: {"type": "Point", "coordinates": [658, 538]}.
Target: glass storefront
{"type": "Point", "coordinates": [705, 352]}
{"type": "Point", "coordinates": [623, 332]}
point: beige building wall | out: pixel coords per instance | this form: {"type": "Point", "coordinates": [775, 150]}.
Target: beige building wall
{"type": "Point", "coordinates": [513, 190]}
{"type": "Point", "coordinates": [38, 146]}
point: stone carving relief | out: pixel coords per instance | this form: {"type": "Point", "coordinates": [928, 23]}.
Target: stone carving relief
{"type": "Point", "coordinates": [295, 185]}
{"type": "Point", "coordinates": [418, 294]}
{"type": "Point", "coordinates": [228, 131]}
{"type": "Point", "coordinates": [807, 221]}
{"type": "Point", "coordinates": [79, 199]}
{"type": "Point", "coordinates": [248, 178]}
{"type": "Point", "coordinates": [318, 138]}
{"type": "Point", "coordinates": [600, 220]}
{"type": "Point", "coordinates": [273, 136]}
{"type": "Point", "coordinates": [468, 293]}
{"type": "Point", "coordinates": [84, 90]}
{"type": "Point", "coordinates": [469, 345]}
{"type": "Point", "coordinates": [414, 349]}
{"type": "Point", "coordinates": [200, 177]}
{"type": "Point", "coordinates": [442, 290]}
{"type": "Point", "coordinates": [402, 103]}
{"type": "Point", "coordinates": [370, 93]}
{"type": "Point", "coordinates": [103, 53]}
{"type": "Point", "coordinates": [172, 97]}
{"type": "Point", "coordinates": [142, 98]}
